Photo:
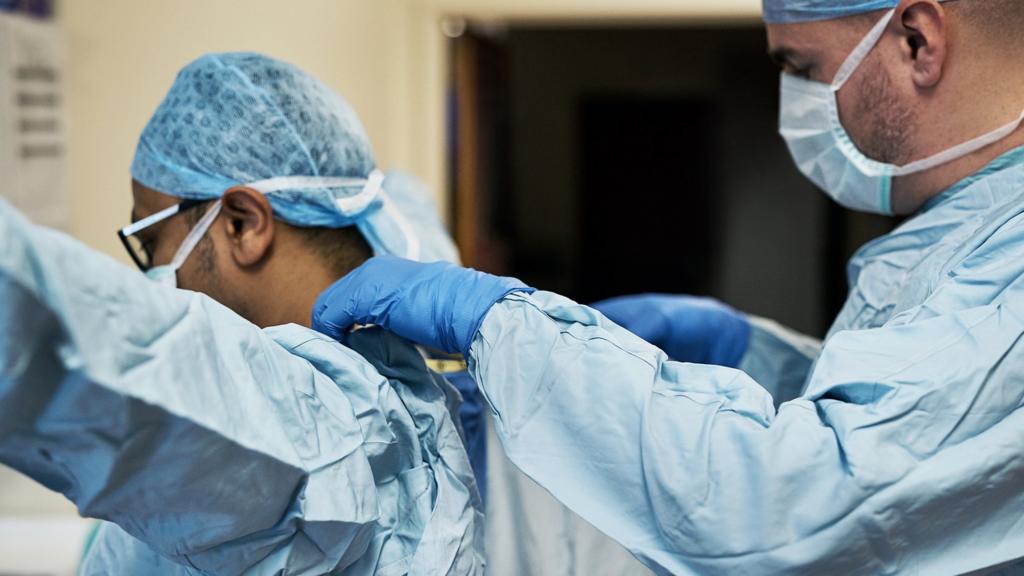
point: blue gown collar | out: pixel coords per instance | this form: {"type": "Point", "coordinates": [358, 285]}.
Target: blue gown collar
{"type": "Point", "coordinates": [1007, 160]}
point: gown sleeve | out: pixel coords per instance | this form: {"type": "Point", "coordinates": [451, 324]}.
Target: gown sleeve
{"type": "Point", "coordinates": [167, 414]}
{"type": "Point", "coordinates": [778, 358]}
{"type": "Point", "coordinates": [903, 454]}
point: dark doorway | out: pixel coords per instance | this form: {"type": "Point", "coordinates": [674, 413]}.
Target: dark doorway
{"type": "Point", "coordinates": [603, 161]}
{"type": "Point", "coordinates": [632, 148]}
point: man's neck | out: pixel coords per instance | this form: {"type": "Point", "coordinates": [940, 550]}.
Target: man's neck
{"type": "Point", "coordinates": [285, 299]}
{"type": "Point", "coordinates": [285, 292]}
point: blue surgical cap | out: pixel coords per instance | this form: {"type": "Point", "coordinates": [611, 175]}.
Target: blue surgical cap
{"type": "Point", "coordinates": [239, 118]}
{"type": "Point", "coordinates": [789, 11]}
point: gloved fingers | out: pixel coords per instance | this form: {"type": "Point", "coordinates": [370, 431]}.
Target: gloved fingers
{"type": "Point", "coordinates": [333, 313]}
{"type": "Point", "coordinates": [640, 314]}
{"type": "Point", "coordinates": [688, 328]}
{"type": "Point", "coordinates": [437, 304]}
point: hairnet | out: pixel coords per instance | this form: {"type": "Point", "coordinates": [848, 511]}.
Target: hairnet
{"type": "Point", "coordinates": [238, 118]}
{"type": "Point", "coordinates": [789, 11]}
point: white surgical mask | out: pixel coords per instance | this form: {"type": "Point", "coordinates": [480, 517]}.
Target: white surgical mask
{"type": "Point", "coordinates": [168, 273]}
{"type": "Point", "coordinates": [823, 151]}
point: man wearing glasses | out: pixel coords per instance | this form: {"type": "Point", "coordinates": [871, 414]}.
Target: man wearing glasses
{"type": "Point", "coordinates": [210, 445]}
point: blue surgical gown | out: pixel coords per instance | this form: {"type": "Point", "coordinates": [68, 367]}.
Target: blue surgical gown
{"type": "Point", "coordinates": [471, 416]}
{"type": "Point", "coordinates": [214, 447]}
{"type": "Point", "coordinates": [900, 452]}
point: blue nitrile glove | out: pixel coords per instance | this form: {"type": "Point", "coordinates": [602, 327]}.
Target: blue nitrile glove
{"type": "Point", "coordinates": [438, 304]}
{"type": "Point", "coordinates": [687, 328]}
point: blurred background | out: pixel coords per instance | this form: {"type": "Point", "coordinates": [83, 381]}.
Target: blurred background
{"type": "Point", "coordinates": [591, 147]}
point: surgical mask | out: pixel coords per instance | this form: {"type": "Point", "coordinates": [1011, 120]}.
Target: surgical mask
{"type": "Point", "coordinates": [825, 153]}
{"type": "Point", "coordinates": [168, 273]}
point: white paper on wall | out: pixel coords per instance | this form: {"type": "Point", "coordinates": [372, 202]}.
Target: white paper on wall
{"type": "Point", "coordinates": [33, 126]}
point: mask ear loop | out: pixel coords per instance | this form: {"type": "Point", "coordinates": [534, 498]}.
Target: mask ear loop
{"type": "Point", "coordinates": [193, 238]}
{"type": "Point", "coordinates": [854, 60]}
{"type": "Point", "coordinates": [960, 150]}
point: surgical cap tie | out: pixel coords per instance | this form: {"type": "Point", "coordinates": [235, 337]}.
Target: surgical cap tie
{"type": "Point", "coordinates": [348, 205]}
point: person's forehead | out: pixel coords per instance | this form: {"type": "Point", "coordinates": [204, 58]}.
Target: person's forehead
{"type": "Point", "coordinates": [147, 201]}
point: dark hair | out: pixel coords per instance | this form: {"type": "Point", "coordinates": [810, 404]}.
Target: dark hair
{"type": "Point", "coordinates": [342, 249]}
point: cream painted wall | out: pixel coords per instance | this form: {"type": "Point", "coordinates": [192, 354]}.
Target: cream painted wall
{"type": "Point", "coordinates": [123, 55]}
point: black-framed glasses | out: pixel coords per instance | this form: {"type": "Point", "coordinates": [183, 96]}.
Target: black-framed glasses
{"type": "Point", "coordinates": [137, 247]}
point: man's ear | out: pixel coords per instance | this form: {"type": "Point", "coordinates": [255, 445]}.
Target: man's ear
{"type": "Point", "coordinates": [248, 225]}
{"type": "Point", "coordinates": [923, 24]}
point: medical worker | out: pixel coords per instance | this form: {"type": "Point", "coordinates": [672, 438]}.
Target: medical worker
{"type": "Point", "coordinates": [901, 450]}
{"type": "Point", "coordinates": [210, 445]}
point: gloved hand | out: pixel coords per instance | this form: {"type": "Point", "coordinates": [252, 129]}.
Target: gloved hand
{"type": "Point", "coordinates": [438, 304]}
{"type": "Point", "coordinates": [687, 328]}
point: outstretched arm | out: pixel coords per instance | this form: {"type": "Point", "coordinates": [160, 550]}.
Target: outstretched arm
{"type": "Point", "coordinates": [169, 415]}
{"type": "Point", "coordinates": [903, 454]}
